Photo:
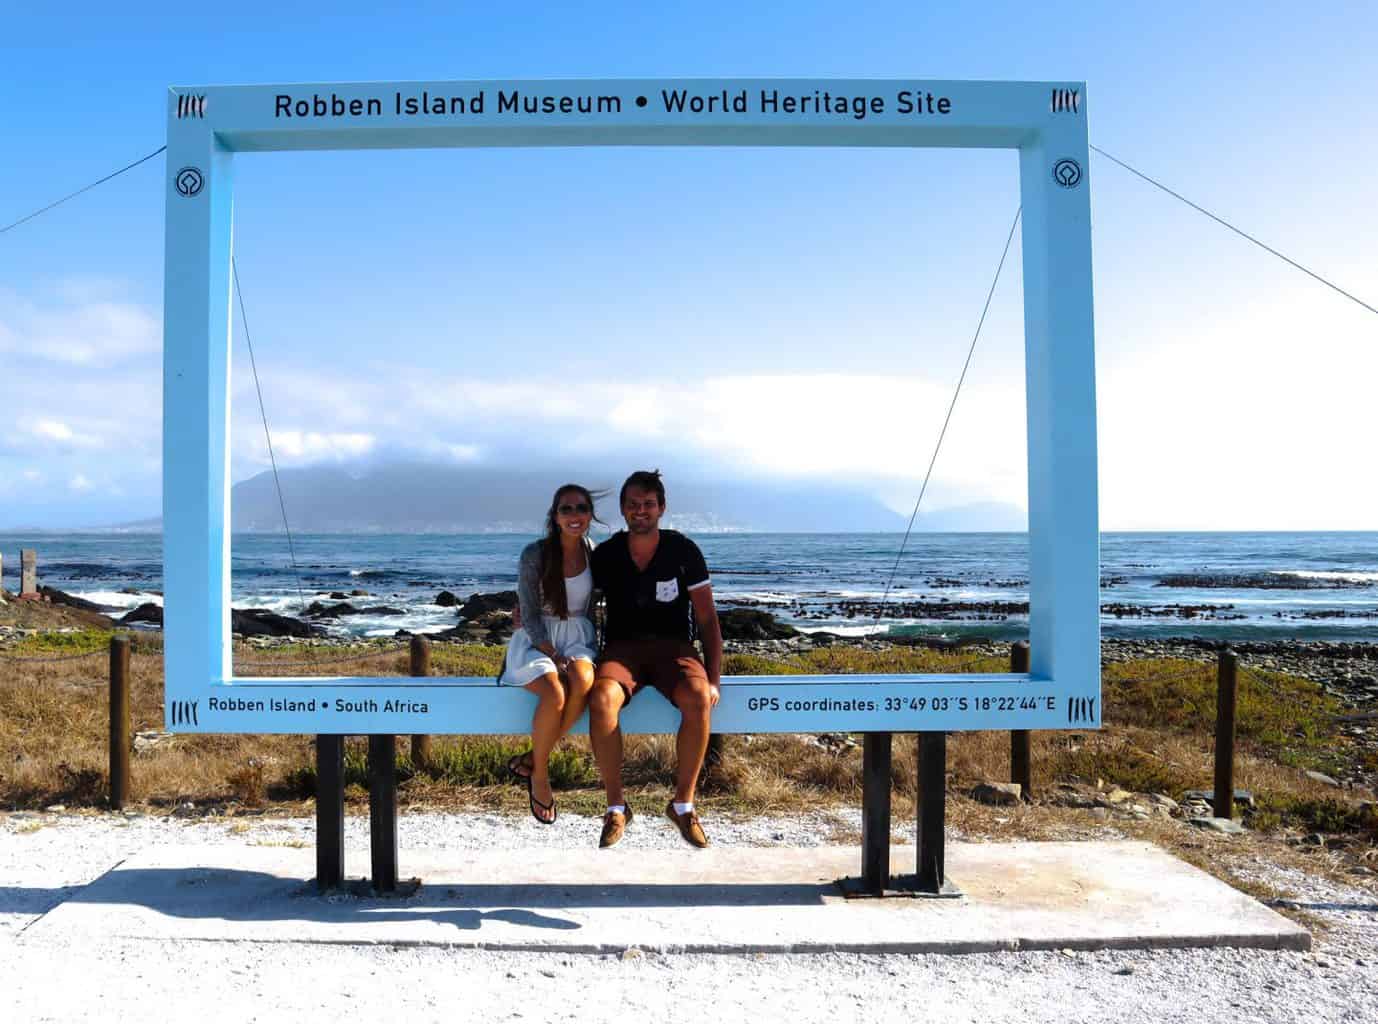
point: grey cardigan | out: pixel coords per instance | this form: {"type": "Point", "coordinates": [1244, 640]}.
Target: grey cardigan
{"type": "Point", "coordinates": [529, 598]}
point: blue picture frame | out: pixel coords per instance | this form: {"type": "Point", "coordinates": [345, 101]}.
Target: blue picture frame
{"type": "Point", "coordinates": [1045, 121]}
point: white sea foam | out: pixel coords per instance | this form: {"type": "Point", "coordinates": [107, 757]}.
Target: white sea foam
{"type": "Point", "coordinates": [116, 599]}
{"type": "Point", "coordinates": [844, 630]}
{"type": "Point", "coordinates": [896, 594]}
{"type": "Point", "coordinates": [759, 596]}
{"type": "Point", "coordinates": [1344, 577]}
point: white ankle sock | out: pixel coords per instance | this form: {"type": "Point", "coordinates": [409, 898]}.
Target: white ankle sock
{"type": "Point", "coordinates": [683, 808]}
{"type": "Point", "coordinates": [618, 809]}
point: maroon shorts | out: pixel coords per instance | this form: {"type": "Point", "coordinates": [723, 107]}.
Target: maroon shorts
{"type": "Point", "coordinates": [662, 664]}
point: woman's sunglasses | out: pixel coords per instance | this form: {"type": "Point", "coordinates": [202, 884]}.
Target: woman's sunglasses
{"type": "Point", "coordinates": [580, 509]}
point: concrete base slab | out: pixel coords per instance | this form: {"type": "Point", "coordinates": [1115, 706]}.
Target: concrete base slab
{"type": "Point", "coordinates": [1123, 895]}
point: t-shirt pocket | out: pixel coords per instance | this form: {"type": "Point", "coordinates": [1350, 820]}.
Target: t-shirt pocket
{"type": "Point", "coordinates": [667, 590]}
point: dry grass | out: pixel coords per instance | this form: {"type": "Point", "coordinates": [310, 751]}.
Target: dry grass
{"type": "Point", "coordinates": [1157, 738]}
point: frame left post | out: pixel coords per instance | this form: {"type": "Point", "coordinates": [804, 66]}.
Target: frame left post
{"type": "Point", "coordinates": [196, 350]}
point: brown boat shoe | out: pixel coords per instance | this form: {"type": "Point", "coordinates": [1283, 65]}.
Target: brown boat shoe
{"type": "Point", "coordinates": [688, 825]}
{"type": "Point", "coordinates": [614, 825]}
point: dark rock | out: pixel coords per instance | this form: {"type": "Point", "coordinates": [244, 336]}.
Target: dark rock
{"type": "Point", "coordinates": [261, 622]}
{"type": "Point", "coordinates": [753, 624]}
{"type": "Point", "coordinates": [146, 612]}
{"type": "Point", "coordinates": [338, 595]}
{"type": "Point", "coordinates": [446, 599]}
{"type": "Point", "coordinates": [498, 623]}
{"type": "Point", "coordinates": [1207, 796]}
{"type": "Point", "coordinates": [1256, 581]}
{"type": "Point", "coordinates": [55, 596]}
{"type": "Point", "coordinates": [358, 593]}
{"type": "Point", "coordinates": [317, 610]}
{"type": "Point", "coordinates": [479, 604]}
{"type": "Point", "coordinates": [1223, 825]}
{"type": "Point", "coordinates": [997, 793]}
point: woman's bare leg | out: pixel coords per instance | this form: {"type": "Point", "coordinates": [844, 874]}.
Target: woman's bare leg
{"type": "Point", "coordinates": [545, 730]}
{"type": "Point", "coordinates": [578, 683]}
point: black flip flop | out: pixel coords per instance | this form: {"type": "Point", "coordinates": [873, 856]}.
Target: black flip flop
{"type": "Point", "coordinates": [516, 762]}
{"type": "Point", "coordinates": [531, 796]}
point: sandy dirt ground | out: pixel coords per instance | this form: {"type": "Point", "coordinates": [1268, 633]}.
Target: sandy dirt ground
{"type": "Point", "coordinates": [46, 857]}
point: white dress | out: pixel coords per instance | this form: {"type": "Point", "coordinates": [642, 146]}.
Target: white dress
{"type": "Point", "coordinates": [572, 637]}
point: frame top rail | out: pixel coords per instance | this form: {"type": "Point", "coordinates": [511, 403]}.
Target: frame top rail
{"type": "Point", "coordinates": [634, 112]}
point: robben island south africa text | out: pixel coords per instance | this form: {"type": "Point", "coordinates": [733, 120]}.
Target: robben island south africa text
{"type": "Point", "coordinates": [768, 101]}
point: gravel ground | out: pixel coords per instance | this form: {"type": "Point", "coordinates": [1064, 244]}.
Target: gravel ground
{"type": "Point", "coordinates": [46, 857]}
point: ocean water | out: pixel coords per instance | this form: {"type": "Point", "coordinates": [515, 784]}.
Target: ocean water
{"type": "Point", "coordinates": [1320, 586]}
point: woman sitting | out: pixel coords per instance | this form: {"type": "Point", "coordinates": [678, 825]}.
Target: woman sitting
{"type": "Point", "coordinates": [552, 653]}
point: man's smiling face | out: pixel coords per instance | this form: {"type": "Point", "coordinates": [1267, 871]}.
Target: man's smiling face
{"type": "Point", "coordinates": [642, 510]}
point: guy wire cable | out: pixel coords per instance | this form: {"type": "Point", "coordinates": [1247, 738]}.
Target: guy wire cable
{"type": "Point", "coordinates": [1156, 184]}
{"type": "Point", "coordinates": [87, 188]}
{"type": "Point", "coordinates": [884, 601]}
{"type": "Point", "coordinates": [1238, 231]}
{"type": "Point", "coordinates": [263, 412]}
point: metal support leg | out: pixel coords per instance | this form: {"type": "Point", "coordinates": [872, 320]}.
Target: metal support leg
{"type": "Point", "coordinates": [875, 813]}
{"type": "Point", "coordinates": [932, 811]}
{"type": "Point", "coordinates": [382, 811]}
{"type": "Point", "coordinates": [1021, 756]}
{"type": "Point", "coordinates": [329, 812]}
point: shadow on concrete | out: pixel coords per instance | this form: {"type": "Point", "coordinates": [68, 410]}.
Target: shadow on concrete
{"type": "Point", "coordinates": [634, 896]}
{"type": "Point", "coordinates": [256, 896]}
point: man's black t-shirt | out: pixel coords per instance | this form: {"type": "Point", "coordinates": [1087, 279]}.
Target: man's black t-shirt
{"type": "Point", "coordinates": [653, 603]}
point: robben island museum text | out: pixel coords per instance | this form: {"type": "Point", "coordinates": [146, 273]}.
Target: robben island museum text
{"type": "Point", "coordinates": [673, 101]}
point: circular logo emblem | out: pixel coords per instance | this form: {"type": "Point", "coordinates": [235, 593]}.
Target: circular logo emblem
{"type": "Point", "coordinates": [189, 181]}
{"type": "Point", "coordinates": [1067, 172]}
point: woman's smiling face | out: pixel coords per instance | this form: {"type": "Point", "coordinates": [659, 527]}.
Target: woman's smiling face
{"type": "Point", "coordinates": [572, 513]}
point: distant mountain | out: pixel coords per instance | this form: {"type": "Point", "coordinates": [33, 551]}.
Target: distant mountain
{"type": "Point", "coordinates": [977, 517]}
{"type": "Point", "coordinates": [414, 497]}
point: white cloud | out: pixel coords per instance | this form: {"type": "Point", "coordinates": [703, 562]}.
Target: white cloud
{"type": "Point", "coordinates": [312, 446]}
{"type": "Point", "coordinates": [79, 483]}
{"type": "Point", "coordinates": [857, 427]}
{"type": "Point", "coordinates": [1253, 418]}
{"type": "Point", "coordinates": [62, 435]}
{"type": "Point", "coordinates": [77, 330]}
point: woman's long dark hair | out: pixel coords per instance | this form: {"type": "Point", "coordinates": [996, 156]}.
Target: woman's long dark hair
{"type": "Point", "coordinates": [552, 554]}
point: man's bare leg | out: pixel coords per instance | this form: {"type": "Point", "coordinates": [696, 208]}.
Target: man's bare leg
{"type": "Point", "coordinates": [691, 745]}
{"type": "Point", "coordinates": [605, 735]}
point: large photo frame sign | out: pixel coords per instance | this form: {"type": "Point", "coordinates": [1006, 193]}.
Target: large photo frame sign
{"type": "Point", "coordinates": [1045, 121]}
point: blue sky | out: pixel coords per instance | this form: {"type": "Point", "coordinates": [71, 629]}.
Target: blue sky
{"type": "Point", "coordinates": [800, 313]}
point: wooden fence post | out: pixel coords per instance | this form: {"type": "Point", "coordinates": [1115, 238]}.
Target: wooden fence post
{"type": "Point", "coordinates": [1227, 677]}
{"type": "Point", "coordinates": [420, 666]}
{"type": "Point", "coordinates": [121, 739]}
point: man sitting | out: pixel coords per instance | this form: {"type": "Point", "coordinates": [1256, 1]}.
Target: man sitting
{"type": "Point", "coordinates": [651, 579]}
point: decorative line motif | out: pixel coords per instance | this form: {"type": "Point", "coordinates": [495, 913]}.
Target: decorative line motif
{"type": "Point", "coordinates": [1066, 101]}
{"type": "Point", "coordinates": [184, 712]}
{"type": "Point", "coordinates": [1081, 709]}
{"type": "Point", "coordinates": [191, 106]}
